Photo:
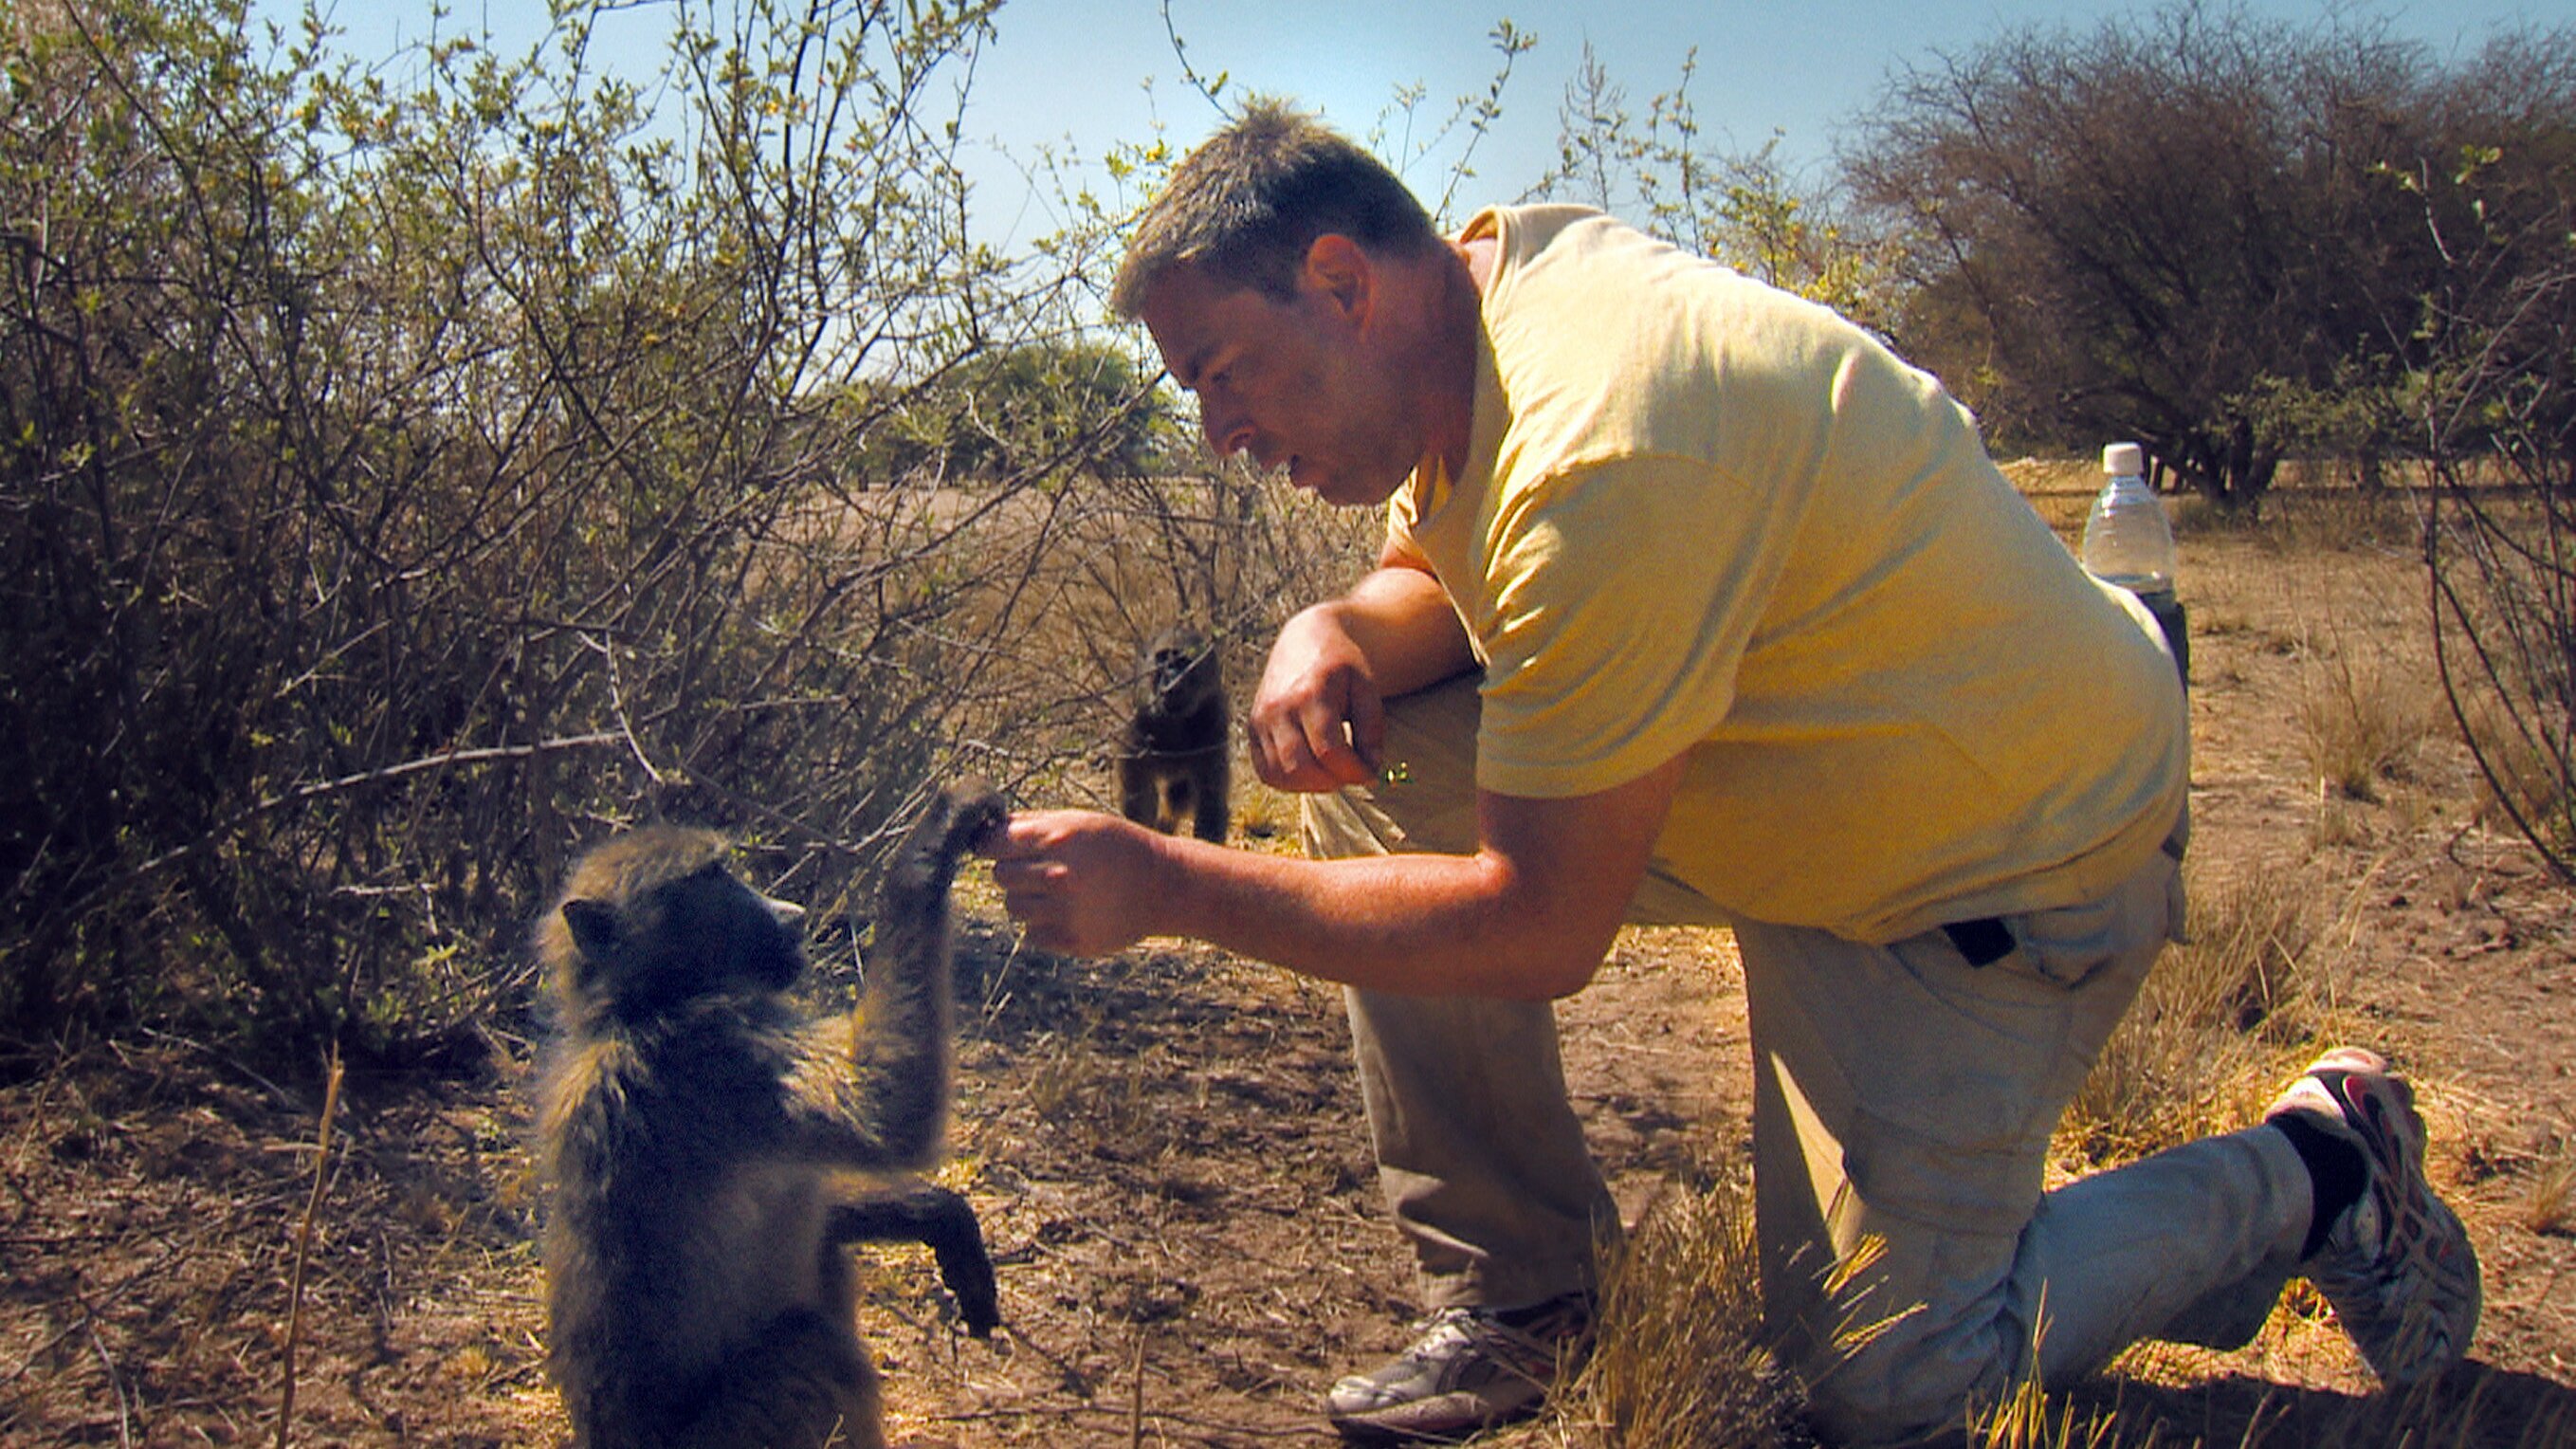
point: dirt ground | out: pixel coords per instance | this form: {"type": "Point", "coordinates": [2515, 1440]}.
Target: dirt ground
{"type": "Point", "coordinates": [1168, 1155]}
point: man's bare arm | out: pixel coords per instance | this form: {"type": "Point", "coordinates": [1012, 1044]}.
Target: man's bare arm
{"type": "Point", "coordinates": [1528, 916]}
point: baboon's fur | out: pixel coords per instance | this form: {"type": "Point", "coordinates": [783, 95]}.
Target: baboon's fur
{"type": "Point", "coordinates": [692, 1122]}
{"type": "Point", "coordinates": [1174, 769]}
{"type": "Point", "coordinates": [940, 1220]}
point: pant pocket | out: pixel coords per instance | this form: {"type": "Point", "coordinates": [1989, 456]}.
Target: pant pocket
{"type": "Point", "coordinates": [2069, 946]}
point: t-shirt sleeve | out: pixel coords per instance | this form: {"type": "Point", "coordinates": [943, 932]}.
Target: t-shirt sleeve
{"type": "Point", "coordinates": [1616, 610]}
{"type": "Point", "coordinates": [1398, 546]}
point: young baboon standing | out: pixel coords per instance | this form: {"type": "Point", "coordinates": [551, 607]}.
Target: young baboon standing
{"type": "Point", "coordinates": [1174, 769]}
{"type": "Point", "coordinates": [691, 1123]}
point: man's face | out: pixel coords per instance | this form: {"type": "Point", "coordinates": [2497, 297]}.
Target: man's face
{"type": "Point", "coordinates": [1290, 383]}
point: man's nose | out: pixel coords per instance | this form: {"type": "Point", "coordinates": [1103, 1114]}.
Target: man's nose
{"type": "Point", "coordinates": [1228, 431]}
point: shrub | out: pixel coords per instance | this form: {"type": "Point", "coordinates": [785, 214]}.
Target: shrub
{"type": "Point", "coordinates": [402, 485]}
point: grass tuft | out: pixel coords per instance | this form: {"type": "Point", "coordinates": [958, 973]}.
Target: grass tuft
{"type": "Point", "coordinates": [2035, 1419]}
{"type": "Point", "coordinates": [2524, 774]}
{"type": "Point", "coordinates": [2361, 721]}
{"type": "Point", "coordinates": [2549, 1205]}
{"type": "Point", "coordinates": [2219, 1023]}
{"type": "Point", "coordinates": [1680, 1361]}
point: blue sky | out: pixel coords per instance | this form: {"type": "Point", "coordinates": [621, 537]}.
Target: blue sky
{"type": "Point", "coordinates": [1082, 74]}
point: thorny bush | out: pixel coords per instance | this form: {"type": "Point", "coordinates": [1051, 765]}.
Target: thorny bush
{"type": "Point", "coordinates": [409, 480]}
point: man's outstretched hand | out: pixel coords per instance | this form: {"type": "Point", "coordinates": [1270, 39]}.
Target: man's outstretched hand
{"type": "Point", "coordinates": [1080, 883]}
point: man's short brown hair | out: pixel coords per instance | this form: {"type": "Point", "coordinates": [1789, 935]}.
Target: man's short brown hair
{"type": "Point", "coordinates": [1248, 203]}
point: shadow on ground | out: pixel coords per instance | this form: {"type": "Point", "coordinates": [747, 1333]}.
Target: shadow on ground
{"type": "Point", "coordinates": [2475, 1406]}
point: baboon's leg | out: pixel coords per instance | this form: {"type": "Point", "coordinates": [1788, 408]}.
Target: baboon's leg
{"type": "Point", "coordinates": [803, 1384]}
{"type": "Point", "coordinates": [941, 1220]}
{"type": "Point", "coordinates": [1140, 791]}
{"type": "Point", "coordinates": [1210, 778]}
{"type": "Point", "coordinates": [1180, 794]}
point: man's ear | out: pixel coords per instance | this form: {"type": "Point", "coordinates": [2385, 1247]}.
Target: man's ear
{"type": "Point", "coordinates": [1337, 267]}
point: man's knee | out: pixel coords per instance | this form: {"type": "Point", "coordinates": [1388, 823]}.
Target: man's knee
{"type": "Point", "coordinates": [1909, 1387]}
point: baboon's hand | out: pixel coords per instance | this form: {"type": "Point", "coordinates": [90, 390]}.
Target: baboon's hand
{"type": "Point", "coordinates": [976, 814]}
{"type": "Point", "coordinates": [965, 816]}
{"type": "Point", "coordinates": [943, 1220]}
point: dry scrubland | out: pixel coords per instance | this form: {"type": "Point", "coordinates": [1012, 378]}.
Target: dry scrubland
{"type": "Point", "coordinates": [1168, 1153]}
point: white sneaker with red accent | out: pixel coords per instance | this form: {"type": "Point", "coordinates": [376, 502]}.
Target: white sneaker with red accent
{"type": "Point", "coordinates": [2397, 1265]}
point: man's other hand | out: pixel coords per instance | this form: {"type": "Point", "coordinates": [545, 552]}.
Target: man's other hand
{"type": "Point", "coordinates": [1318, 721]}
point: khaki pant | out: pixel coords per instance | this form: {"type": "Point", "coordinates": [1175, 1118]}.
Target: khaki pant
{"type": "Point", "coordinates": [1902, 1099]}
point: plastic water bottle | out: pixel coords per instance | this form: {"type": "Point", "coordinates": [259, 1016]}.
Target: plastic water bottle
{"type": "Point", "coordinates": [2128, 542]}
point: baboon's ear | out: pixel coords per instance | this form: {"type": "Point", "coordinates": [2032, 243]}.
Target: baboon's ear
{"type": "Point", "coordinates": [596, 932]}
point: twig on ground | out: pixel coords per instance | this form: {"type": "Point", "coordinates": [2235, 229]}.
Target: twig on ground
{"type": "Point", "coordinates": [304, 1249]}
{"type": "Point", "coordinates": [1136, 1396]}
{"type": "Point", "coordinates": [115, 1383]}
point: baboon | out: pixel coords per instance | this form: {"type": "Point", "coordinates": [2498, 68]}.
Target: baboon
{"type": "Point", "coordinates": [692, 1124]}
{"type": "Point", "coordinates": [1173, 765]}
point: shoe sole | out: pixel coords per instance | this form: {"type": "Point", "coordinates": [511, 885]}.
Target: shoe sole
{"type": "Point", "coordinates": [1373, 1436]}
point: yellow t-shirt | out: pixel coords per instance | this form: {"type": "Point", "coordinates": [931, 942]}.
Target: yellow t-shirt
{"type": "Point", "coordinates": [1701, 515]}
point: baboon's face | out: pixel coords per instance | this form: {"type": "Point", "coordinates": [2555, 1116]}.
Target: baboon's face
{"type": "Point", "coordinates": [704, 932]}
{"type": "Point", "coordinates": [1177, 666]}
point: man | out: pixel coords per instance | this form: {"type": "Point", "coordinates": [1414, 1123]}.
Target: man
{"type": "Point", "coordinates": [1697, 605]}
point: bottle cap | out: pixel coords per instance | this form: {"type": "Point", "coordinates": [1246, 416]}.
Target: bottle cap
{"type": "Point", "coordinates": [2123, 460]}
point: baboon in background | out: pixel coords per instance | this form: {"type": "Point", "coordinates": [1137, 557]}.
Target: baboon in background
{"type": "Point", "coordinates": [692, 1122]}
{"type": "Point", "coordinates": [1174, 769]}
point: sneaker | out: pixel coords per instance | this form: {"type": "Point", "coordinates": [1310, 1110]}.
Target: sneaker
{"type": "Point", "coordinates": [1469, 1370]}
{"type": "Point", "coordinates": [2397, 1266]}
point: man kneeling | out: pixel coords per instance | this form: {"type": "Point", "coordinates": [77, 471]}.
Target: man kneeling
{"type": "Point", "coordinates": [1696, 604]}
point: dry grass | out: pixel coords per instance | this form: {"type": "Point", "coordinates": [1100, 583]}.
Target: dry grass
{"type": "Point", "coordinates": [2363, 716]}
{"type": "Point", "coordinates": [2219, 1023]}
{"type": "Point", "coordinates": [2367, 701]}
{"type": "Point", "coordinates": [1681, 1360]}
{"type": "Point", "coordinates": [2522, 779]}
{"type": "Point", "coordinates": [2548, 1205]}
{"type": "Point", "coordinates": [2302, 518]}
{"type": "Point", "coordinates": [2034, 1419]}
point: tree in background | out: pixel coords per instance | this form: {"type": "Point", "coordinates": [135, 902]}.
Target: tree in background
{"type": "Point", "coordinates": [2495, 409]}
{"type": "Point", "coordinates": [1742, 209]}
{"type": "Point", "coordinates": [1010, 409]}
{"type": "Point", "coordinates": [2175, 229]}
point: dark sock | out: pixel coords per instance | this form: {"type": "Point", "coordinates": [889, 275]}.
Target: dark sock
{"type": "Point", "coordinates": [2337, 1174]}
{"type": "Point", "coordinates": [1540, 1311]}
